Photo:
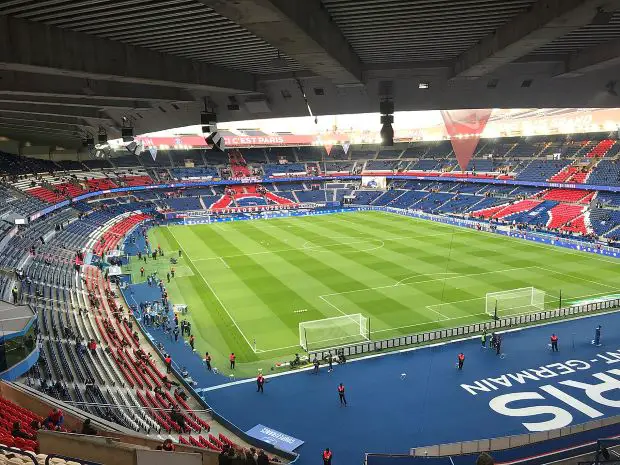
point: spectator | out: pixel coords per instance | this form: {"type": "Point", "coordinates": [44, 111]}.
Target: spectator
{"type": "Point", "coordinates": [88, 429]}
{"type": "Point", "coordinates": [54, 420]}
{"type": "Point", "coordinates": [167, 446]}
{"type": "Point", "coordinates": [262, 458]}
{"type": "Point", "coordinates": [224, 458]}
{"type": "Point", "coordinates": [178, 418]}
{"type": "Point", "coordinates": [19, 433]}
{"type": "Point", "coordinates": [249, 458]}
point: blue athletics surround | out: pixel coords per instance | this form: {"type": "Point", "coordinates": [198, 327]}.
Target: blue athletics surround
{"type": "Point", "coordinates": [434, 402]}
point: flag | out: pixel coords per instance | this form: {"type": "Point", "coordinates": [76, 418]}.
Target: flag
{"type": "Point", "coordinates": [153, 151]}
{"type": "Point", "coordinates": [345, 147]}
{"type": "Point", "coordinates": [464, 128]}
{"type": "Point", "coordinates": [328, 148]}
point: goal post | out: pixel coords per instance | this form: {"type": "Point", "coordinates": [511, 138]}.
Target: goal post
{"type": "Point", "coordinates": [329, 332]}
{"type": "Point", "coordinates": [514, 301]}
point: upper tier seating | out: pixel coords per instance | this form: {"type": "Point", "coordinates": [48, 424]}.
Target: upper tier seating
{"type": "Point", "coordinates": [183, 203]}
{"type": "Point", "coordinates": [606, 173]}
{"type": "Point", "coordinates": [310, 153]}
{"type": "Point", "coordinates": [541, 170]}
{"type": "Point", "coordinates": [273, 169]}
{"type": "Point", "coordinates": [16, 165]}
{"type": "Point", "coordinates": [204, 172]}
{"type": "Point", "coordinates": [388, 154]}
{"type": "Point", "coordinates": [601, 149]}
{"type": "Point", "coordinates": [338, 167]}
{"type": "Point", "coordinates": [179, 157]}
{"type": "Point", "coordinates": [99, 163]}
{"type": "Point", "coordinates": [382, 165]}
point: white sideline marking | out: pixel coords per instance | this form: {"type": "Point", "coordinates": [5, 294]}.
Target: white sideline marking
{"type": "Point", "coordinates": [402, 281]}
{"type": "Point", "coordinates": [213, 292]}
{"type": "Point", "coordinates": [224, 262]}
{"type": "Point", "coordinates": [577, 277]}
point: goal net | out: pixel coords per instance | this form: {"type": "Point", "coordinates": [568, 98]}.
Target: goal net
{"type": "Point", "coordinates": [515, 301]}
{"type": "Point", "coordinates": [328, 332]}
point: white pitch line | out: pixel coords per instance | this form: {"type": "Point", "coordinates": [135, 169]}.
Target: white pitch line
{"type": "Point", "coordinates": [303, 247]}
{"type": "Point", "coordinates": [331, 304]}
{"type": "Point", "coordinates": [213, 292]}
{"type": "Point", "coordinates": [426, 274]}
{"type": "Point", "coordinates": [577, 277]}
{"type": "Point", "coordinates": [224, 262]}
{"type": "Point", "coordinates": [374, 331]}
{"type": "Point", "coordinates": [430, 280]}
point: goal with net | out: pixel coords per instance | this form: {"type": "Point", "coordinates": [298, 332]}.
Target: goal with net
{"type": "Point", "coordinates": [514, 301]}
{"type": "Point", "coordinates": [336, 331]}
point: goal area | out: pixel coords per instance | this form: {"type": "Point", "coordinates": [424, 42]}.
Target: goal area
{"type": "Point", "coordinates": [329, 332]}
{"type": "Point", "coordinates": [514, 301]}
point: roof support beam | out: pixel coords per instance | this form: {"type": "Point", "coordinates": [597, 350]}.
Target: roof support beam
{"type": "Point", "coordinates": [302, 30]}
{"type": "Point", "coordinates": [38, 48]}
{"type": "Point", "coordinates": [14, 83]}
{"type": "Point", "coordinates": [546, 21]}
{"type": "Point", "coordinates": [44, 119]}
{"type": "Point", "coordinates": [61, 127]}
{"type": "Point", "coordinates": [78, 102]}
{"type": "Point", "coordinates": [54, 110]}
{"type": "Point", "coordinates": [40, 128]}
{"type": "Point", "coordinates": [592, 59]}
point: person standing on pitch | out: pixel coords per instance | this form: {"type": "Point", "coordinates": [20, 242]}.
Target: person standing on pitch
{"type": "Point", "coordinates": [461, 360]}
{"type": "Point", "coordinates": [260, 381]}
{"type": "Point", "coordinates": [483, 338]}
{"type": "Point", "coordinates": [330, 360]}
{"type": "Point", "coordinates": [316, 364]}
{"type": "Point", "coordinates": [208, 361]}
{"type": "Point", "coordinates": [343, 399]}
{"type": "Point", "coordinates": [327, 457]}
{"type": "Point", "coordinates": [554, 343]}
{"type": "Point", "coordinates": [232, 360]}
{"type": "Point", "coordinates": [498, 344]}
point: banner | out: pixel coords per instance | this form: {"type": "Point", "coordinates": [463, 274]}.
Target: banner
{"type": "Point", "coordinates": [153, 151]}
{"type": "Point", "coordinates": [270, 436]}
{"type": "Point", "coordinates": [464, 128]}
{"type": "Point", "coordinates": [345, 147]}
{"type": "Point", "coordinates": [328, 148]}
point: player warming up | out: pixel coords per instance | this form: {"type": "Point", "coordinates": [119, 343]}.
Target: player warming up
{"type": "Point", "coordinates": [343, 399]}
{"type": "Point", "coordinates": [461, 360]}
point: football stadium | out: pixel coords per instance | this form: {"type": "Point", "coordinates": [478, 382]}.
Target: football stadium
{"type": "Point", "coordinates": [373, 232]}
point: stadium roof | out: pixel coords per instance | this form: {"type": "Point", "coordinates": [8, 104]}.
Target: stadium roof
{"type": "Point", "coordinates": [68, 67]}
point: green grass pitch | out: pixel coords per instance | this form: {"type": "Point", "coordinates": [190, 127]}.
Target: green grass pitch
{"type": "Point", "coordinates": [253, 282]}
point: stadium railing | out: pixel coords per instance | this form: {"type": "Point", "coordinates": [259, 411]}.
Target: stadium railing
{"type": "Point", "coordinates": [447, 333]}
{"type": "Point", "coordinates": [509, 442]}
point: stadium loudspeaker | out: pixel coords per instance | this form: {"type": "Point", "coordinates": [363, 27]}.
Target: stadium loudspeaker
{"type": "Point", "coordinates": [127, 134]}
